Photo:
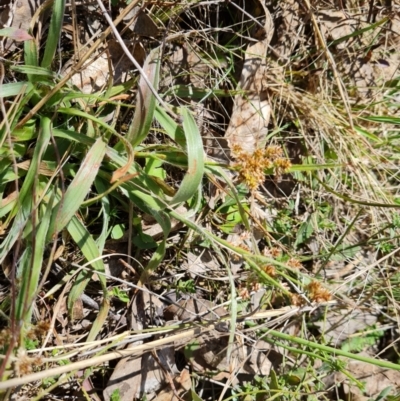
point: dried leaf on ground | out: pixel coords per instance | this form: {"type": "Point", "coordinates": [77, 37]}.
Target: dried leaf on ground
{"type": "Point", "coordinates": [209, 351]}
{"type": "Point", "coordinates": [287, 32]}
{"type": "Point", "coordinates": [138, 376]}
{"type": "Point", "coordinates": [202, 264]}
{"type": "Point", "coordinates": [140, 23]}
{"type": "Point", "coordinates": [135, 377]}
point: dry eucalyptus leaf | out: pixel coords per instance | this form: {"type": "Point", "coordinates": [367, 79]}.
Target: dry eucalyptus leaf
{"type": "Point", "coordinates": [94, 76]}
{"type": "Point", "coordinates": [336, 24]}
{"type": "Point", "coordinates": [251, 111]}
{"type": "Point", "coordinates": [135, 377]}
{"type": "Point", "coordinates": [340, 324]}
{"type": "Point", "coordinates": [288, 31]}
{"type": "Point", "coordinates": [192, 309]}
{"type": "Point", "coordinates": [182, 383]}
{"type": "Point", "coordinates": [121, 63]}
{"type": "Point", "coordinates": [209, 352]}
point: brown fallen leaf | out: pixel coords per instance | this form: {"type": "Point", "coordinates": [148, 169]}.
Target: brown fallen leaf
{"type": "Point", "coordinates": [144, 375]}
{"type": "Point", "coordinates": [209, 351]}
{"type": "Point", "coordinates": [135, 377]}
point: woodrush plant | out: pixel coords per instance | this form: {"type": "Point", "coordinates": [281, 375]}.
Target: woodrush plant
{"type": "Point", "coordinates": [48, 190]}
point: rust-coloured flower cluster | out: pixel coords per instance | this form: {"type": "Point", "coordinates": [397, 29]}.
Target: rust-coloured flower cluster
{"type": "Point", "coordinates": [252, 166]}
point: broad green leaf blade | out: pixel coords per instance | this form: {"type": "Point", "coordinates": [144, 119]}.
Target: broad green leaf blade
{"type": "Point", "coordinates": [55, 27]}
{"type": "Point", "coordinates": [99, 321]}
{"type": "Point", "coordinates": [143, 191]}
{"type": "Point", "coordinates": [145, 100]}
{"type": "Point", "coordinates": [23, 206]}
{"type": "Point", "coordinates": [101, 187]}
{"type": "Point", "coordinates": [172, 129]}
{"type": "Point", "coordinates": [89, 249]}
{"type": "Point", "coordinates": [195, 152]}
{"type": "Point", "coordinates": [78, 188]}
{"type": "Point", "coordinates": [165, 223]}
{"type": "Point", "coordinates": [33, 266]}
{"type": "Point", "coordinates": [34, 70]}
{"type": "Point", "coordinates": [14, 89]}
{"type": "Point", "coordinates": [31, 57]}
{"type": "Point", "coordinates": [79, 113]}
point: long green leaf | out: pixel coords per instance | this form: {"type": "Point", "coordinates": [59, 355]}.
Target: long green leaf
{"type": "Point", "coordinates": [145, 100]}
{"type": "Point", "coordinates": [79, 113]}
{"type": "Point", "coordinates": [172, 129]}
{"type": "Point", "coordinates": [34, 70]}
{"type": "Point", "coordinates": [165, 223]}
{"type": "Point", "coordinates": [14, 89]}
{"type": "Point", "coordinates": [55, 27]}
{"type": "Point", "coordinates": [192, 180]}
{"type": "Point", "coordinates": [90, 251]}
{"type": "Point", "coordinates": [78, 188]}
{"type": "Point", "coordinates": [23, 207]}
{"type": "Point", "coordinates": [32, 267]}
{"type": "Point", "coordinates": [31, 57]}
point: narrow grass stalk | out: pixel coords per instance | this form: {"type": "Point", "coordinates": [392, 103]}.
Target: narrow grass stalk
{"type": "Point", "coordinates": [332, 351]}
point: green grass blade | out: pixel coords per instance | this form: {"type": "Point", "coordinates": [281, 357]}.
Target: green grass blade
{"type": "Point", "coordinates": [330, 350]}
{"type": "Point", "coordinates": [90, 251]}
{"type": "Point", "coordinates": [172, 129]}
{"type": "Point", "coordinates": [17, 34]}
{"type": "Point", "coordinates": [145, 100]}
{"type": "Point", "coordinates": [79, 187]}
{"type": "Point", "coordinates": [359, 32]}
{"type": "Point", "coordinates": [34, 70]}
{"type": "Point", "coordinates": [31, 57]}
{"type": "Point", "coordinates": [55, 27]}
{"type": "Point", "coordinates": [101, 187]}
{"type": "Point", "coordinates": [23, 206]}
{"type": "Point", "coordinates": [165, 223]}
{"type": "Point", "coordinates": [32, 267]}
{"type": "Point", "coordinates": [14, 89]}
{"type": "Point", "coordinates": [193, 178]}
{"type": "Point", "coordinates": [79, 113]}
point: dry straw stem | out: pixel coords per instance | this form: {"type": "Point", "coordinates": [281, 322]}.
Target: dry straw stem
{"type": "Point", "coordinates": [330, 126]}
{"type": "Point", "coordinates": [75, 68]}
{"type": "Point", "coordinates": [136, 351]}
